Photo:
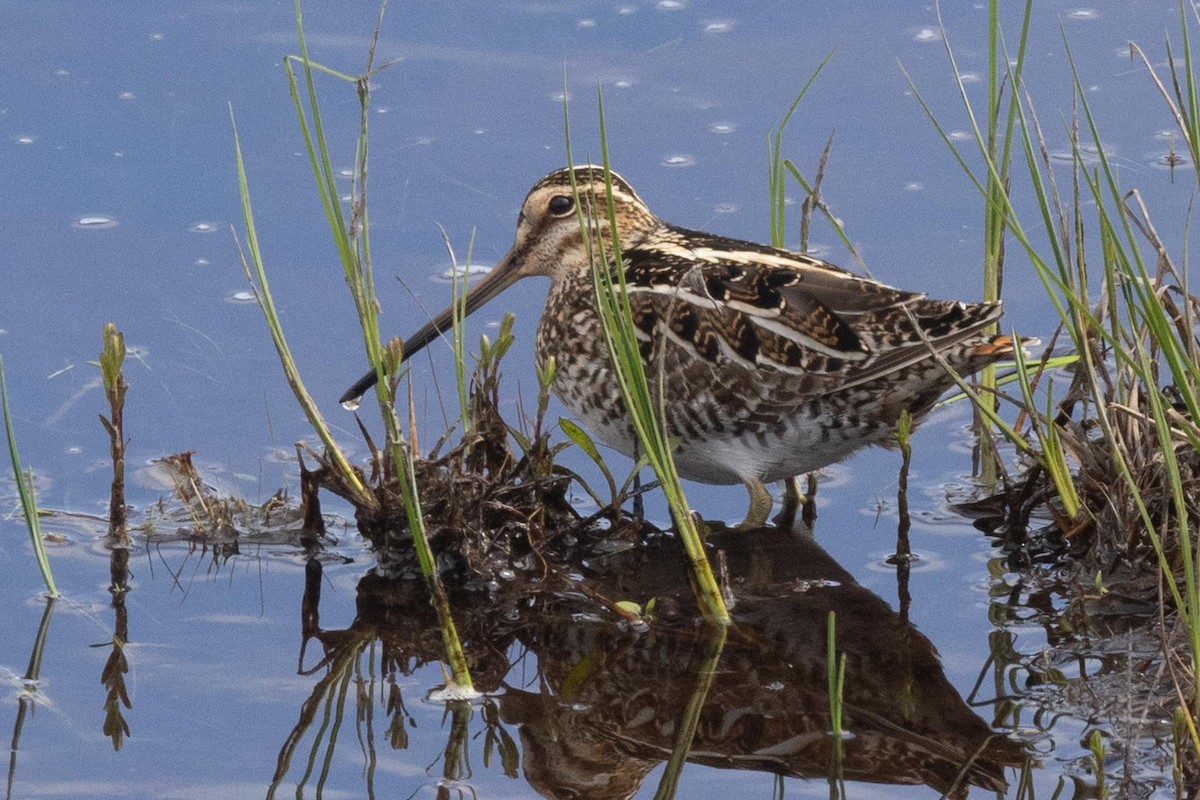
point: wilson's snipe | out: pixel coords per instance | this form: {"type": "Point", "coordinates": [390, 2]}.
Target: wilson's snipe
{"type": "Point", "coordinates": [774, 363]}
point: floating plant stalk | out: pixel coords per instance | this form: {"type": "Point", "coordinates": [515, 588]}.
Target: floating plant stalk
{"type": "Point", "coordinates": [112, 356]}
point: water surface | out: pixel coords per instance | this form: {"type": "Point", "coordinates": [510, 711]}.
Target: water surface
{"type": "Point", "coordinates": [116, 151]}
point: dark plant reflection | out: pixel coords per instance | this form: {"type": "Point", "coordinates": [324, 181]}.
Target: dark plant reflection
{"type": "Point", "coordinates": [1099, 658]}
{"type": "Point", "coordinates": [112, 677]}
{"type": "Point", "coordinates": [28, 698]}
{"type": "Point", "coordinates": [596, 705]}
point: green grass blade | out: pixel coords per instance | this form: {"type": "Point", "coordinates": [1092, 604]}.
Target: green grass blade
{"type": "Point", "coordinates": [26, 494]}
{"type": "Point", "coordinates": [262, 292]}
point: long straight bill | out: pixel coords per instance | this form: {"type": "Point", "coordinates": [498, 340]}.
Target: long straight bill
{"type": "Point", "coordinates": [492, 284]}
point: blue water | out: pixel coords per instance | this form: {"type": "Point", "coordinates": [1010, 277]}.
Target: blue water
{"type": "Point", "coordinates": [122, 113]}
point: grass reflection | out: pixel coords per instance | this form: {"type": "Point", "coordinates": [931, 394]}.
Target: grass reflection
{"type": "Point", "coordinates": [30, 693]}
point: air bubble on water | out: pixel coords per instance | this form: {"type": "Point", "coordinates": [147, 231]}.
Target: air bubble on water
{"type": "Point", "coordinates": [925, 35]}
{"type": "Point", "coordinates": [126, 96]}
{"type": "Point", "coordinates": [678, 160]}
{"type": "Point", "coordinates": [913, 186]}
{"type": "Point", "coordinates": [719, 26]}
{"type": "Point", "coordinates": [669, 5]}
{"type": "Point", "coordinates": [460, 271]}
{"type": "Point", "coordinates": [1083, 14]}
{"type": "Point", "coordinates": [586, 23]}
{"type": "Point", "coordinates": [725, 208]}
{"type": "Point", "coordinates": [240, 297]}
{"type": "Point", "coordinates": [722, 128]}
{"type": "Point", "coordinates": [24, 140]}
{"type": "Point", "coordinates": [203, 227]}
{"type": "Point", "coordinates": [94, 223]}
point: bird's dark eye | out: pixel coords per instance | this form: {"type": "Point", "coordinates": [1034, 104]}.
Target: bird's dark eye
{"type": "Point", "coordinates": [560, 205]}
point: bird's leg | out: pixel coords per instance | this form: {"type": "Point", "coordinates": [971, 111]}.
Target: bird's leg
{"type": "Point", "coordinates": [760, 504]}
{"type": "Point", "coordinates": [793, 495]}
{"type": "Point", "coordinates": [796, 499]}
{"type": "Point", "coordinates": [793, 498]}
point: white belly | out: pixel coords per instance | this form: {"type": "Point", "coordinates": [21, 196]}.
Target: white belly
{"type": "Point", "coordinates": [803, 445]}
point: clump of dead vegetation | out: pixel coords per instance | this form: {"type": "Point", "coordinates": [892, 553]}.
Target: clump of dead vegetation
{"type": "Point", "coordinates": [493, 500]}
